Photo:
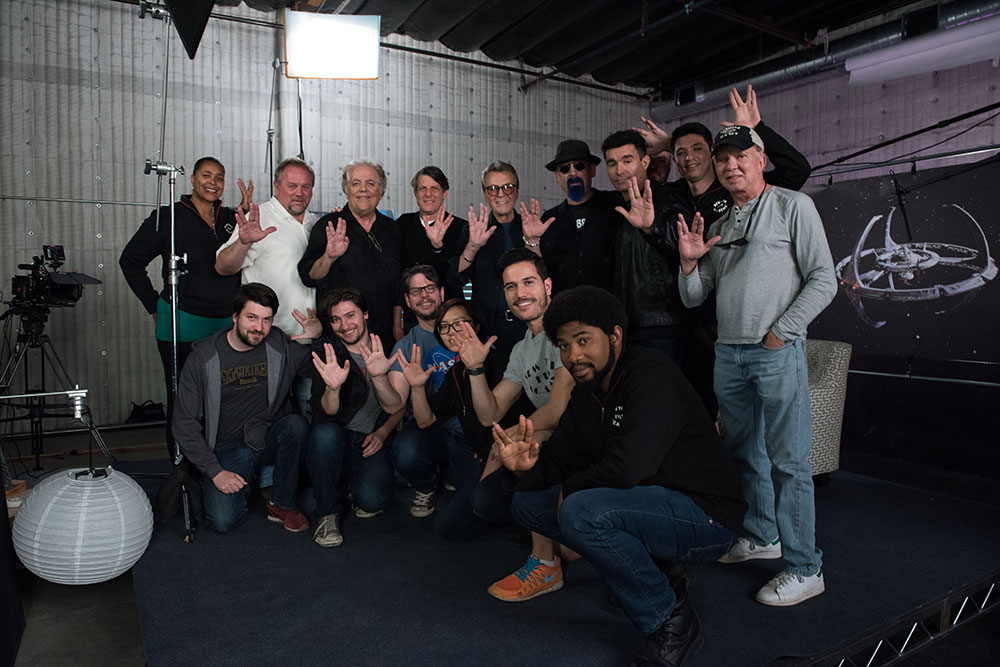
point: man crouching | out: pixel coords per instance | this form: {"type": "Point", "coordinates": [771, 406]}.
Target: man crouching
{"type": "Point", "coordinates": [634, 472]}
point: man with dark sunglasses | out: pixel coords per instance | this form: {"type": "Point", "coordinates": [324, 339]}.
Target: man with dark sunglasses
{"type": "Point", "coordinates": [577, 245]}
{"type": "Point", "coordinates": [770, 266]}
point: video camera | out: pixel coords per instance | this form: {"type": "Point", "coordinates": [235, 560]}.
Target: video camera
{"type": "Point", "coordinates": [45, 285]}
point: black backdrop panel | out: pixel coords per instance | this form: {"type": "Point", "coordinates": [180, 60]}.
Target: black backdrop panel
{"type": "Point", "coordinates": [931, 291]}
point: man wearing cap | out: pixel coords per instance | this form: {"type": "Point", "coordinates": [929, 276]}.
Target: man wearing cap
{"type": "Point", "coordinates": [577, 246]}
{"type": "Point", "coordinates": [770, 266]}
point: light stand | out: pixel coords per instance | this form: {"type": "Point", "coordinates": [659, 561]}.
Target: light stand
{"type": "Point", "coordinates": [175, 264]}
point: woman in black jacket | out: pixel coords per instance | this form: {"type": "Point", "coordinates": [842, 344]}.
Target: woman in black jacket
{"type": "Point", "coordinates": [479, 499]}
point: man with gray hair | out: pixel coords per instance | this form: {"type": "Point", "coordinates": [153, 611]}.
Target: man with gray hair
{"type": "Point", "coordinates": [359, 247]}
{"type": "Point", "coordinates": [271, 238]}
{"type": "Point", "coordinates": [489, 234]}
{"type": "Point", "coordinates": [769, 263]}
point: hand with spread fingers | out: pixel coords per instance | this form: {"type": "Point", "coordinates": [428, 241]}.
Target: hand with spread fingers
{"type": "Point", "coordinates": [413, 371]}
{"type": "Point", "coordinates": [657, 139]}
{"type": "Point", "coordinates": [311, 326]}
{"type": "Point", "coordinates": [249, 226]}
{"type": "Point", "coordinates": [471, 350]}
{"type": "Point", "coordinates": [336, 239]}
{"type": "Point", "coordinates": [376, 363]}
{"type": "Point", "coordinates": [691, 243]}
{"type": "Point", "coordinates": [435, 232]}
{"type": "Point", "coordinates": [744, 112]}
{"type": "Point", "coordinates": [531, 221]}
{"type": "Point", "coordinates": [520, 452]}
{"type": "Point", "coordinates": [479, 229]}
{"type": "Point", "coordinates": [334, 375]}
{"type": "Point", "coordinates": [246, 191]}
{"type": "Point", "coordinates": [641, 214]}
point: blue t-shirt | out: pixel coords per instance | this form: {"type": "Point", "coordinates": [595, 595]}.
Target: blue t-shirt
{"type": "Point", "coordinates": [431, 354]}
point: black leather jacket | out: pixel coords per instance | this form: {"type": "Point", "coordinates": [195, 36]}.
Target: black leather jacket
{"type": "Point", "coordinates": [648, 264]}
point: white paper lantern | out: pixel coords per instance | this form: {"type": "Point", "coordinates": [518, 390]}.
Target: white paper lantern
{"type": "Point", "coordinates": [83, 530]}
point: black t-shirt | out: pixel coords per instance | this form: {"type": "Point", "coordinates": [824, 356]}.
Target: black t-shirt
{"type": "Point", "coordinates": [244, 388]}
{"type": "Point", "coordinates": [578, 247]}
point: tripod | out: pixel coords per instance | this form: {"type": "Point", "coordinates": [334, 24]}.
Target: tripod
{"type": "Point", "coordinates": [32, 336]}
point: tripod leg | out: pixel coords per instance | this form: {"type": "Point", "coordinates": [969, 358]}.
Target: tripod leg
{"type": "Point", "coordinates": [56, 364]}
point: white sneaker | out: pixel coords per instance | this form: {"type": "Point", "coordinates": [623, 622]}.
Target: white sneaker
{"type": "Point", "coordinates": [328, 532]}
{"type": "Point", "coordinates": [787, 589]}
{"type": "Point", "coordinates": [747, 549]}
{"type": "Point", "coordinates": [365, 514]}
{"type": "Point", "coordinates": [423, 504]}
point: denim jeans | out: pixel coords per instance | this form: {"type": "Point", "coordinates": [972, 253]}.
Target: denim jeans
{"type": "Point", "coordinates": [301, 396]}
{"type": "Point", "coordinates": [764, 401]}
{"type": "Point", "coordinates": [417, 453]}
{"type": "Point", "coordinates": [282, 449]}
{"type": "Point", "coordinates": [329, 447]}
{"type": "Point", "coordinates": [621, 531]}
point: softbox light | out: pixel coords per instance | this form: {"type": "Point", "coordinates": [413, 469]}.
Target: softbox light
{"type": "Point", "coordinates": [331, 46]}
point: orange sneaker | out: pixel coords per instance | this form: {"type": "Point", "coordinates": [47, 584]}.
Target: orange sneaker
{"type": "Point", "coordinates": [533, 579]}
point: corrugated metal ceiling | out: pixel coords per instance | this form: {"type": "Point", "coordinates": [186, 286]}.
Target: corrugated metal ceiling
{"type": "Point", "coordinates": [650, 44]}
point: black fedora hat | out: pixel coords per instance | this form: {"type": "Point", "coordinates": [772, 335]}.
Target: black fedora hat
{"type": "Point", "coordinates": [570, 150]}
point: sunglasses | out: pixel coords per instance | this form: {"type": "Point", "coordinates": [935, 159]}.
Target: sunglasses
{"type": "Point", "coordinates": [742, 241]}
{"type": "Point", "coordinates": [564, 168]}
{"type": "Point", "coordinates": [494, 190]}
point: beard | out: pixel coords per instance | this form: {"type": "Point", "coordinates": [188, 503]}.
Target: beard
{"type": "Point", "coordinates": [250, 338]}
{"type": "Point", "coordinates": [603, 372]}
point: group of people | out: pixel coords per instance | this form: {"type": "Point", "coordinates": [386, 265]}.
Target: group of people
{"type": "Point", "coordinates": [575, 394]}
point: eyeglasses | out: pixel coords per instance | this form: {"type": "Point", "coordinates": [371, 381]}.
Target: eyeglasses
{"type": "Point", "coordinates": [445, 327]}
{"type": "Point", "coordinates": [742, 241]}
{"type": "Point", "coordinates": [427, 289]}
{"type": "Point", "coordinates": [579, 165]}
{"type": "Point", "coordinates": [494, 190]}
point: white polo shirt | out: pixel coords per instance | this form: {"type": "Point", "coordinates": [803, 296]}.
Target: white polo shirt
{"type": "Point", "coordinates": [274, 261]}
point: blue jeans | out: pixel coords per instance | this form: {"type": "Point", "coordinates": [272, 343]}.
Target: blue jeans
{"type": "Point", "coordinates": [301, 396]}
{"type": "Point", "coordinates": [417, 453]}
{"type": "Point", "coordinates": [282, 449]}
{"type": "Point", "coordinates": [329, 447]}
{"type": "Point", "coordinates": [621, 531]}
{"type": "Point", "coordinates": [764, 401]}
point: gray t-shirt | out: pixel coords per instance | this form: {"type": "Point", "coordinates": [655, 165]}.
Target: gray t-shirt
{"type": "Point", "coordinates": [533, 363]}
{"type": "Point", "coordinates": [366, 416]}
{"type": "Point", "coordinates": [244, 388]}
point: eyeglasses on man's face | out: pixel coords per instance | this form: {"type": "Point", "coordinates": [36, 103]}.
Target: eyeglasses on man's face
{"type": "Point", "coordinates": [494, 190]}
{"type": "Point", "coordinates": [427, 289]}
{"type": "Point", "coordinates": [445, 327]}
{"type": "Point", "coordinates": [564, 168]}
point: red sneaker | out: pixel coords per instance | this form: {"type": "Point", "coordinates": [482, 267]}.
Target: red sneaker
{"type": "Point", "coordinates": [293, 520]}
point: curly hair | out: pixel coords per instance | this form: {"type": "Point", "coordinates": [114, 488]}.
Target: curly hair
{"type": "Point", "coordinates": [588, 305]}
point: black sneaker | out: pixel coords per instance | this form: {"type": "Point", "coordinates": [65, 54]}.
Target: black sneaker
{"type": "Point", "coordinates": [674, 641]}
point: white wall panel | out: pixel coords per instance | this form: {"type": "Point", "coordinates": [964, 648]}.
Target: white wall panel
{"type": "Point", "coordinates": [826, 118]}
{"type": "Point", "coordinates": [80, 101]}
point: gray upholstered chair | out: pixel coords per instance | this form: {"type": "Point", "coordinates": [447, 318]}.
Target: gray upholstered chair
{"type": "Point", "coordinates": [828, 361]}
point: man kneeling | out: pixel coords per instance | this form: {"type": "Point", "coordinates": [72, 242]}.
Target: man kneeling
{"type": "Point", "coordinates": [634, 472]}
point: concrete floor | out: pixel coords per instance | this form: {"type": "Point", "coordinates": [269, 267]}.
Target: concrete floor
{"type": "Point", "coordinates": [98, 625]}
{"type": "Point", "coordinates": [84, 626]}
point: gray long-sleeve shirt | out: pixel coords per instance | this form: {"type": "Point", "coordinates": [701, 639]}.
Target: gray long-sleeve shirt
{"type": "Point", "coordinates": [781, 280]}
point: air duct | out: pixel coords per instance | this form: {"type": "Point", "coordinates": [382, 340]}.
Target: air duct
{"type": "Point", "coordinates": [791, 68]}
